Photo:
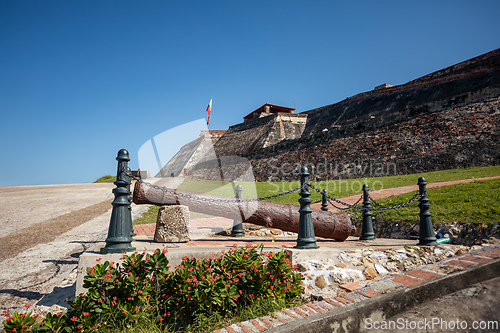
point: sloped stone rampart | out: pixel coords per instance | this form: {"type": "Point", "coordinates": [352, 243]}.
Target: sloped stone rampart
{"type": "Point", "coordinates": [375, 110]}
{"type": "Point", "coordinates": [455, 137]}
{"type": "Point", "coordinates": [461, 136]}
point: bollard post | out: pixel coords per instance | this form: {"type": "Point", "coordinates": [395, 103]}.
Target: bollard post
{"type": "Point", "coordinates": [237, 230]}
{"type": "Point", "coordinates": [120, 225]}
{"type": "Point", "coordinates": [427, 235]}
{"type": "Point", "coordinates": [324, 204]}
{"type": "Point", "coordinates": [306, 238]}
{"type": "Point", "coordinates": [367, 227]}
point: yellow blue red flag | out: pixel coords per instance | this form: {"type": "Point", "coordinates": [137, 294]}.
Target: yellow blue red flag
{"type": "Point", "coordinates": [209, 108]}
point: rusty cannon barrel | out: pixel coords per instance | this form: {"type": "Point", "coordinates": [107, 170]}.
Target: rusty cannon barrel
{"type": "Point", "coordinates": [332, 225]}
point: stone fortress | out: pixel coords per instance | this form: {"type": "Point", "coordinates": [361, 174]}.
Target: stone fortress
{"type": "Point", "coordinates": [443, 120]}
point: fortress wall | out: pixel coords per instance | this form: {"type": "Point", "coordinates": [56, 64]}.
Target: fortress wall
{"type": "Point", "coordinates": [455, 137]}
{"type": "Point", "coordinates": [443, 120]}
{"type": "Point", "coordinates": [380, 110]}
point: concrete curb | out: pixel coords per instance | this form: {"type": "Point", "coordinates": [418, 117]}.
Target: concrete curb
{"type": "Point", "coordinates": [350, 318]}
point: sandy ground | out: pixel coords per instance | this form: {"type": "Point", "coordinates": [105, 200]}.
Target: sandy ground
{"type": "Point", "coordinates": [43, 231]}
{"type": "Point", "coordinates": [24, 206]}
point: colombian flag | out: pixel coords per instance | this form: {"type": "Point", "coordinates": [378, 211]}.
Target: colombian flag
{"type": "Point", "coordinates": [209, 108]}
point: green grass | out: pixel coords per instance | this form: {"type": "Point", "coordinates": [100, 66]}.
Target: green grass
{"type": "Point", "coordinates": [475, 202]}
{"type": "Point", "coordinates": [106, 179]}
{"type": "Point", "coordinates": [336, 188]}
{"type": "Point", "coordinates": [148, 216]}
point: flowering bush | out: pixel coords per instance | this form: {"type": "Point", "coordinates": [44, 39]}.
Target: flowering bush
{"type": "Point", "coordinates": [143, 290]}
{"type": "Point", "coordinates": [19, 322]}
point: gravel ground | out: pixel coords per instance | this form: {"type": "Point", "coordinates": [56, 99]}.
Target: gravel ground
{"type": "Point", "coordinates": [44, 229]}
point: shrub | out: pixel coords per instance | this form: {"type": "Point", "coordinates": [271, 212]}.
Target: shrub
{"type": "Point", "coordinates": [142, 290]}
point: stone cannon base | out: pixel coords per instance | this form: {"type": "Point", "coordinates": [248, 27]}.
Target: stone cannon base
{"type": "Point", "coordinates": [172, 224]}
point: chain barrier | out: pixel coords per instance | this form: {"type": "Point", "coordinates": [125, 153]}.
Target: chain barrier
{"type": "Point", "coordinates": [382, 208]}
{"type": "Point", "coordinates": [330, 199]}
{"type": "Point", "coordinates": [416, 197]}
{"type": "Point", "coordinates": [195, 197]}
{"type": "Point", "coordinates": [348, 206]}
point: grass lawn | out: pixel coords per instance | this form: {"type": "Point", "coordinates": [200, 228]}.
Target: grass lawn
{"type": "Point", "coordinates": [106, 179]}
{"type": "Point", "coordinates": [456, 201]}
{"type": "Point", "coordinates": [475, 202]}
{"type": "Point", "coordinates": [336, 188]}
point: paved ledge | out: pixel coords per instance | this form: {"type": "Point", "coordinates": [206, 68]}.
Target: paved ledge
{"type": "Point", "coordinates": [382, 299]}
{"type": "Point", "coordinates": [378, 300]}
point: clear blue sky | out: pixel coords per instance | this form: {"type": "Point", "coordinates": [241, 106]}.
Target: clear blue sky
{"type": "Point", "coordinates": [81, 79]}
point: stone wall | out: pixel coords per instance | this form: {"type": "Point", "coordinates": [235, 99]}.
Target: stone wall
{"type": "Point", "coordinates": [190, 154]}
{"type": "Point", "coordinates": [239, 143]}
{"type": "Point", "coordinates": [456, 137]}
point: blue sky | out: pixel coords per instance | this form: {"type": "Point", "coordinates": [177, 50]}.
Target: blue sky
{"type": "Point", "coordinates": [81, 79]}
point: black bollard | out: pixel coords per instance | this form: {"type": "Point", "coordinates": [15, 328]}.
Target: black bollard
{"type": "Point", "coordinates": [237, 230]}
{"type": "Point", "coordinates": [427, 235]}
{"type": "Point", "coordinates": [324, 204]}
{"type": "Point", "coordinates": [367, 227]}
{"type": "Point", "coordinates": [120, 225]}
{"type": "Point", "coordinates": [306, 238]}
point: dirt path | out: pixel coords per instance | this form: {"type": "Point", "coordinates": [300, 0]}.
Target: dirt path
{"type": "Point", "coordinates": [25, 206]}
{"type": "Point", "coordinates": [43, 230]}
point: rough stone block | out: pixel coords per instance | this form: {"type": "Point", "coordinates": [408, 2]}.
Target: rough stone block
{"type": "Point", "coordinates": [172, 224]}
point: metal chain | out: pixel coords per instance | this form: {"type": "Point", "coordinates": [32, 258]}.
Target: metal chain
{"type": "Point", "coordinates": [416, 197]}
{"type": "Point", "coordinates": [336, 200]}
{"type": "Point", "coordinates": [343, 208]}
{"type": "Point", "coordinates": [375, 203]}
{"type": "Point", "coordinates": [195, 197]}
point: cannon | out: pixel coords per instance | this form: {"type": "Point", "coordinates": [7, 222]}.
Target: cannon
{"type": "Point", "coordinates": [326, 224]}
